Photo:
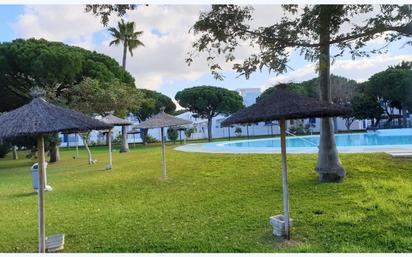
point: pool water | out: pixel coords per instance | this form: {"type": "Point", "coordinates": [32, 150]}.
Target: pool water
{"type": "Point", "coordinates": [378, 141]}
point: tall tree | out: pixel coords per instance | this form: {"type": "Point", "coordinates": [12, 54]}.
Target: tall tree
{"type": "Point", "coordinates": [151, 105]}
{"type": "Point", "coordinates": [92, 97]}
{"type": "Point", "coordinates": [392, 87]}
{"type": "Point", "coordinates": [55, 67]}
{"type": "Point", "coordinates": [312, 29]}
{"type": "Point", "coordinates": [366, 107]}
{"type": "Point", "coordinates": [208, 102]}
{"type": "Point", "coordinates": [126, 35]}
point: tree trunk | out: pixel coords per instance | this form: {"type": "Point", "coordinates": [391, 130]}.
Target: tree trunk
{"type": "Point", "coordinates": [15, 155]}
{"type": "Point", "coordinates": [54, 153]}
{"type": "Point", "coordinates": [124, 148]}
{"type": "Point", "coordinates": [145, 132]}
{"type": "Point", "coordinates": [107, 140]}
{"type": "Point", "coordinates": [124, 54]}
{"type": "Point", "coordinates": [335, 124]}
{"type": "Point", "coordinates": [85, 138]}
{"type": "Point", "coordinates": [328, 165]}
{"type": "Point", "coordinates": [209, 129]}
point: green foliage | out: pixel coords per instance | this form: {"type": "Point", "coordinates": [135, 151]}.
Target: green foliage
{"type": "Point", "coordinates": [189, 132]}
{"type": "Point", "coordinates": [172, 134]}
{"type": "Point", "coordinates": [299, 129]}
{"type": "Point", "coordinates": [208, 101]}
{"type": "Point", "coordinates": [126, 36]}
{"type": "Point", "coordinates": [54, 66]}
{"type": "Point", "coordinates": [206, 199]}
{"type": "Point", "coordinates": [149, 139]}
{"type": "Point", "coordinates": [152, 103]}
{"type": "Point", "coordinates": [238, 131]}
{"type": "Point", "coordinates": [105, 10]}
{"type": "Point", "coordinates": [91, 96]}
{"type": "Point", "coordinates": [366, 107]}
{"type": "Point", "coordinates": [224, 28]}
{"type": "Point", "coordinates": [342, 89]}
{"type": "Point", "coordinates": [393, 86]}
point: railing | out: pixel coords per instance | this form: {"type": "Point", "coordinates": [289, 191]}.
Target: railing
{"type": "Point", "coordinates": [307, 141]}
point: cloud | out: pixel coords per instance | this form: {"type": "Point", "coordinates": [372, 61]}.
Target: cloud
{"type": "Point", "coordinates": [165, 36]}
{"type": "Point", "coordinates": [57, 23]}
{"type": "Point", "coordinates": [161, 63]}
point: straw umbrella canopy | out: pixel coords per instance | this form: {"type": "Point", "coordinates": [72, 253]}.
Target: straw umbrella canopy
{"type": "Point", "coordinates": [283, 105]}
{"type": "Point", "coordinates": [38, 118]}
{"type": "Point", "coordinates": [162, 120]}
{"type": "Point", "coordinates": [180, 129]}
{"type": "Point", "coordinates": [134, 132]}
{"type": "Point", "coordinates": [114, 121]}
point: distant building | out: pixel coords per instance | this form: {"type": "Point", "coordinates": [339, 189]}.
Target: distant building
{"type": "Point", "coordinates": [199, 125]}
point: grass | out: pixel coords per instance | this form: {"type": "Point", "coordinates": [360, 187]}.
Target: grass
{"type": "Point", "coordinates": [209, 203]}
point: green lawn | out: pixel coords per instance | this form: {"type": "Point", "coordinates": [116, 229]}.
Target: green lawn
{"type": "Point", "coordinates": [210, 203]}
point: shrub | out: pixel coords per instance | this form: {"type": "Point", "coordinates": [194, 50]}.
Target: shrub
{"type": "Point", "coordinates": [189, 132]}
{"type": "Point", "coordinates": [238, 131]}
{"type": "Point", "coordinates": [172, 134]}
{"type": "Point", "coordinates": [150, 139]}
{"type": "Point", "coordinates": [300, 129]}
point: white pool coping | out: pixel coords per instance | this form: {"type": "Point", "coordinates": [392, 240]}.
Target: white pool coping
{"type": "Point", "coordinates": [219, 147]}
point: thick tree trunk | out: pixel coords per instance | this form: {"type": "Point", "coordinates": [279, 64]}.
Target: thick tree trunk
{"type": "Point", "coordinates": [145, 132]}
{"type": "Point", "coordinates": [54, 153]}
{"type": "Point", "coordinates": [328, 165]}
{"type": "Point", "coordinates": [15, 155]}
{"type": "Point", "coordinates": [209, 129]}
{"type": "Point", "coordinates": [124, 148]}
{"type": "Point", "coordinates": [124, 54]}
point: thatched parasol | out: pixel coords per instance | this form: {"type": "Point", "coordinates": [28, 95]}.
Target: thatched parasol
{"type": "Point", "coordinates": [134, 132]}
{"type": "Point", "coordinates": [283, 104]}
{"type": "Point", "coordinates": [162, 120]}
{"type": "Point", "coordinates": [38, 118]}
{"type": "Point", "coordinates": [116, 121]}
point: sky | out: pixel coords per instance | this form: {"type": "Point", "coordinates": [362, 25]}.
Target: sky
{"type": "Point", "coordinates": [160, 65]}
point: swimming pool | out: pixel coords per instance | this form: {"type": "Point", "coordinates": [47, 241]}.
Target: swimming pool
{"type": "Point", "coordinates": [378, 141]}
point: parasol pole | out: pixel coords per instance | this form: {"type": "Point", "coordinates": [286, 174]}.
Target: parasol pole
{"type": "Point", "coordinates": [41, 182]}
{"type": "Point", "coordinates": [284, 177]}
{"type": "Point", "coordinates": [109, 136]}
{"type": "Point", "coordinates": [163, 155]}
{"type": "Point", "coordinates": [77, 145]}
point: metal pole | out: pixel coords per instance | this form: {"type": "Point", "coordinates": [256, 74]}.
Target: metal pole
{"type": "Point", "coordinates": [109, 136]}
{"type": "Point", "coordinates": [77, 145]}
{"type": "Point", "coordinates": [163, 155]}
{"type": "Point", "coordinates": [228, 129]}
{"type": "Point", "coordinates": [41, 182]}
{"type": "Point", "coordinates": [284, 177]}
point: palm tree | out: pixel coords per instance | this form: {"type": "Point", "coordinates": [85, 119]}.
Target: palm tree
{"type": "Point", "coordinates": [125, 33]}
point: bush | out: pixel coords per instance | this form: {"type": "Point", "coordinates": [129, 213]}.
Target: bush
{"type": "Point", "coordinates": [150, 139]}
{"type": "Point", "coordinates": [172, 134]}
{"type": "Point", "coordinates": [300, 129]}
{"type": "Point", "coordinates": [5, 148]}
{"type": "Point", "coordinates": [189, 132]}
{"type": "Point", "coordinates": [238, 131]}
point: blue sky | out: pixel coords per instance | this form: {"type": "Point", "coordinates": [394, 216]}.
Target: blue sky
{"type": "Point", "coordinates": [160, 64]}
